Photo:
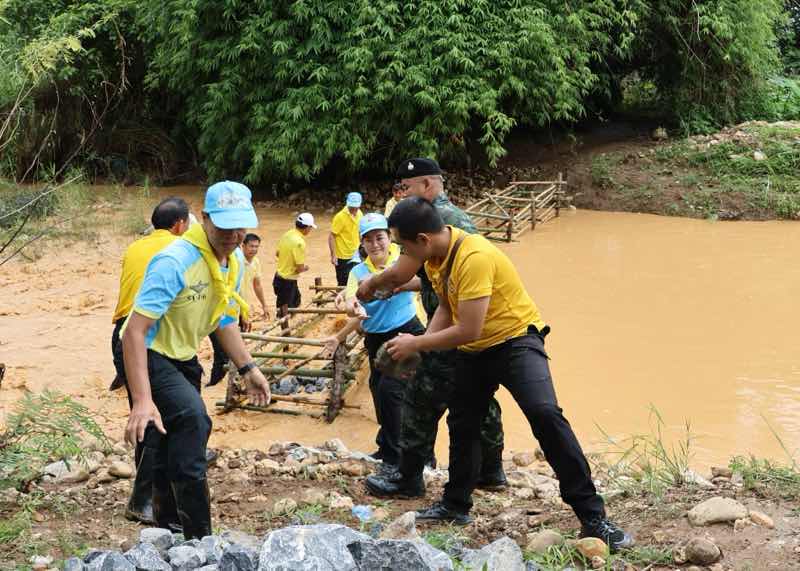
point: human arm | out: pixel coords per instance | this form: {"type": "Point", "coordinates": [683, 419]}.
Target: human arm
{"type": "Point", "coordinates": [332, 248]}
{"type": "Point", "coordinates": [134, 351]}
{"type": "Point", "coordinates": [259, 291]}
{"type": "Point", "coordinates": [232, 343]}
{"type": "Point", "coordinates": [396, 275]}
{"type": "Point", "coordinates": [442, 332]}
{"type": "Point", "coordinates": [333, 342]}
{"type": "Point", "coordinates": [414, 284]}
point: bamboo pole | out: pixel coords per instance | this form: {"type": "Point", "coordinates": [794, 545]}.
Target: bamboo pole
{"type": "Point", "coordinates": [273, 410]}
{"type": "Point", "coordinates": [326, 288]}
{"type": "Point", "coordinates": [533, 210]}
{"type": "Point", "coordinates": [290, 356]}
{"type": "Point", "coordinates": [287, 340]}
{"type": "Point", "coordinates": [555, 195]}
{"type": "Point", "coordinates": [305, 400]}
{"type": "Point", "coordinates": [296, 366]}
{"type": "Point", "coordinates": [490, 215]}
{"type": "Point", "coordinates": [315, 310]}
{"type": "Point", "coordinates": [337, 387]}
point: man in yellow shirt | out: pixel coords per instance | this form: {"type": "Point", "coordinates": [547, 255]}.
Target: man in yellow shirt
{"type": "Point", "coordinates": [487, 314]}
{"type": "Point", "coordinates": [343, 240]}
{"type": "Point", "coordinates": [170, 219]}
{"type": "Point", "coordinates": [252, 272]}
{"type": "Point", "coordinates": [291, 254]}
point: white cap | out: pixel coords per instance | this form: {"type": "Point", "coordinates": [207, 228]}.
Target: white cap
{"type": "Point", "coordinates": [306, 219]}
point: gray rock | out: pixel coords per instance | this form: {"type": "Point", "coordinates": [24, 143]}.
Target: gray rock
{"type": "Point", "coordinates": [702, 551]}
{"type": "Point", "coordinates": [213, 567]}
{"type": "Point", "coordinates": [399, 555]}
{"type": "Point", "coordinates": [531, 566]}
{"type": "Point", "coordinates": [716, 510]}
{"type": "Point", "coordinates": [73, 564]}
{"type": "Point", "coordinates": [236, 557]}
{"type": "Point", "coordinates": [93, 554]}
{"type": "Point", "coordinates": [146, 557]}
{"type": "Point", "coordinates": [110, 561]}
{"type": "Point", "coordinates": [186, 557]}
{"type": "Point", "coordinates": [242, 538]}
{"type": "Point", "coordinates": [213, 547]}
{"type": "Point", "coordinates": [162, 539]}
{"type": "Point", "coordinates": [319, 547]}
{"type": "Point", "coordinates": [501, 555]}
{"type": "Point", "coordinates": [404, 527]}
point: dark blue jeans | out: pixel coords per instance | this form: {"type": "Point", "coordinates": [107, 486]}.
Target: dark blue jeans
{"type": "Point", "coordinates": [520, 365]}
{"type": "Point", "coordinates": [175, 386]}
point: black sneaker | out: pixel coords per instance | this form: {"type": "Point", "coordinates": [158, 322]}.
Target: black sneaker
{"type": "Point", "coordinates": [440, 512]}
{"type": "Point", "coordinates": [377, 455]}
{"type": "Point", "coordinates": [608, 531]}
{"type": "Point", "coordinates": [389, 471]}
{"type": "Point", "coordinates": [384, 487]}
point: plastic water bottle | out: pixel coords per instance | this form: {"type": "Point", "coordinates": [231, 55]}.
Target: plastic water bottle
{"type": "Point", "coordinates": [363, 513]}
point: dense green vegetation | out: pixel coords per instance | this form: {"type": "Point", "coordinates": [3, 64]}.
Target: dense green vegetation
{"type": "Point", "coordinates": [271, 91]}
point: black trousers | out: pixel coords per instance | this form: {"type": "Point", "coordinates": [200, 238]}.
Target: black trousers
{"type": "Point", "coordinates": [116, 349]}
{"type": "Point", "coordinates": [520, 365]}
{"type": "Point", "coordinates": [388, 393]}
{"type": "Point", "coordinates": [175, 386]}
{"type": "Point", "coordinates": [219, 365]}
{"type": "Point", "coordinates": [343, 268]}
{"type": "Point", "coordinates": [286, 292]}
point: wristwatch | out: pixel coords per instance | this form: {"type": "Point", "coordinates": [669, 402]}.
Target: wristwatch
{"type": "Point", "coordinates": [244, 369]}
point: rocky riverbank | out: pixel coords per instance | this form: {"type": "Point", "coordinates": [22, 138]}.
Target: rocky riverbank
{"type": "Point", "coordinates": [297, 507]}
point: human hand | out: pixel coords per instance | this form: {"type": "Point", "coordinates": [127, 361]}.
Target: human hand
{"type": "Point", "coordinates": [365, 291]}
{"type": "Point", "coordinates": [142, 414]}
{"type": "Point", "coordinates": [266, 312]}
{"type": "Point", "coordinates": [331, 344]}
{"type": "Point", "coordinates": [257, 387]}
{"type": "Point", "coordinates": [334, 260]}
{"type": "Point", "coordinates": [339, 300]}
{"type": "Point", "coordinates": [402, 346]}
{"type": "Point", "coordinates": [357, 310]}
{"type": "Point", "coordinates": [245, 325]}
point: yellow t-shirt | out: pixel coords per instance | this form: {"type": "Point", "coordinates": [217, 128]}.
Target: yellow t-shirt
{"type": "Point", "coordinates": [134, 264]}
{"type": "Point", "coordinates": [390, 204]}
{"type": "Point", "coordinates": [252, 270]}
{"type": "Point", "coordinates": [344, 228]}
{"type": "Point", "coordinates": [481, 270]}
{"type": "Point", "coordinates": [291, 253]}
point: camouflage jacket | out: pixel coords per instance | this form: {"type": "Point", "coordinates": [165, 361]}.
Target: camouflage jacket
{"type": "Point", "coordinates": [453, 216]}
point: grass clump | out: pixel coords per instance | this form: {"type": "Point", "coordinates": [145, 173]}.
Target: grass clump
{"type": "Point", "coordinates": [646, 463]}
{"type": "Point", "coordinates": [768, 478]}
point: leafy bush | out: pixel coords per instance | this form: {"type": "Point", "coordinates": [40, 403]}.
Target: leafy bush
{"type": "Point", "coordinates": [282, 89]}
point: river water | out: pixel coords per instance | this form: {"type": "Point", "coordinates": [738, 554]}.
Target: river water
{"type": "Point", "coordinates": [691, 318]}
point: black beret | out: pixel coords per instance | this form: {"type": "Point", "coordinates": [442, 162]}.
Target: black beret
{"type": "Point", "coordinates": [410, 168]}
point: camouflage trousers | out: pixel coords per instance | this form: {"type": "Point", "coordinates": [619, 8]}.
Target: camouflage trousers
{"type": "Point", "coordinates": [427, 397]}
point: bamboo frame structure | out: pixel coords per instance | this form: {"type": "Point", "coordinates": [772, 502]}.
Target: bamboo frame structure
{"type": "Point", "coordinates": [278, 352]}
{"type": "Point", "coordinates": [506, 214]}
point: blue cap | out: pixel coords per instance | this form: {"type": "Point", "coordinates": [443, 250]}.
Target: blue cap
{"type": "Point", "coordinates": [230, 206]}
{"type": "Point", "coordinates": [354, 199]}
{"type": "Point", "coordinates": [372, 221]}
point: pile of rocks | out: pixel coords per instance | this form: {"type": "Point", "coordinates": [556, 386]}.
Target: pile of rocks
{"type": "Point", "coordinates": [318, 547]}
{"type": "Point", "coordinates": [295, 385]}
{"type": "Point", "coordinates": [100, 466]}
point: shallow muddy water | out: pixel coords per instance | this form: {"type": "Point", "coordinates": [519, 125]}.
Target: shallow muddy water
{"type": "Point", "coordinates": [696, 319]}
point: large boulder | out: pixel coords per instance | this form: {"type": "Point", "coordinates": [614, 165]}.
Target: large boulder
{"type": "Point", "coordinates": [319, 547]}
{"type": "Point", "coordinates": [237, 557]}
{"type": "Point", "coordinates": [212, 546]}
{"type": "Point", "coordinates": [186, 557]}
{"type": "Point", "coordinates": [111, 561]}
{"type": "Point", "coordinates": [501, 555]}
{"type": "Point", "coordinates": [399, 555]}
{"type": "Point", "coordinates": [146, 557]}
{"type": "Point", "coordinates": [161, 538]}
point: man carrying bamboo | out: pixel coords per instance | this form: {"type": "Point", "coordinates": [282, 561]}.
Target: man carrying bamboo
{"type": "Point", "coordinates": [191, 288]}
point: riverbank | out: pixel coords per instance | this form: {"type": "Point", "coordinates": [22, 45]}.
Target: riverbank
{"type": "Point", "coordinates": [256, 492]}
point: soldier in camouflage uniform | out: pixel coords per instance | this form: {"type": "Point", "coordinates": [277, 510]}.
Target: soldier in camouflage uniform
{"type": "Point", "coordinates": [431, 389]}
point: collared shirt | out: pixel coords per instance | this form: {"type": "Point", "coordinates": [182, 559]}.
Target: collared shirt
{"type": "Point", "coordinates": [134, 264]}
{"type": "Point", "coordinates": [452, 216]}
{"type": "Point", "coordinates": [291, 253]}
{"type": "Point", "coordinates": [252, 270]}
{"type": "Point", "coordinates": [479, 270]}
{"type": "Point", "coordinates": [384, 314]}
{"type": "Point", "coordinates": [344, 228]}
{"type": "Point", "coordinates": [390, 204]}
{"type": "Point", "coordinates": [177, 292]}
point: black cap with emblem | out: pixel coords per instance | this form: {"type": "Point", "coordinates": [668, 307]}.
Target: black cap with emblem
{"type": "Point", "coordinates": [410, 168]}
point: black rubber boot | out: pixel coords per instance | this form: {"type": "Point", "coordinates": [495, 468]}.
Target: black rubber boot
{"type": "Point", "coordinates": [140, 504]}
{"type": "Point", "coordinates": [389, 487]}
{"type": "Point", "coordinates": [165, 511]}
{"type": "Point", "coordinates": [492, 476]}
{"type": "Point", "coordinates": [194, 507]}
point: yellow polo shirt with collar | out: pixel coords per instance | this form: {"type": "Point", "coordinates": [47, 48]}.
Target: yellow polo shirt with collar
{"type": "Point", "coordinates": [134, 265]}
{"type": "Point", "coordinates": [291, 253]}
{"type": "Point", "coordinates": [480, 270]}
{"type": "Point", "coordinates": [344, 228]}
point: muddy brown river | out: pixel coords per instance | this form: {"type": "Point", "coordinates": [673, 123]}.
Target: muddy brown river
{"type": "Point", "coordinates": [691, 318]}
